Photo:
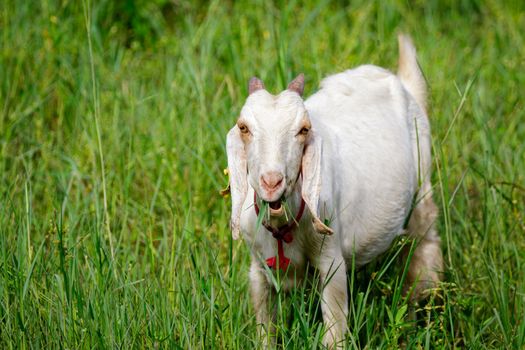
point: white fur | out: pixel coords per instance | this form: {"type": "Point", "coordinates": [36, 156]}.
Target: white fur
{"type": "Point", "coordinates": [372, 139]}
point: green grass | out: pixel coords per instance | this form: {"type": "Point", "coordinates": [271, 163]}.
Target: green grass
{"type": "Point", "coordinates": [112, 129]}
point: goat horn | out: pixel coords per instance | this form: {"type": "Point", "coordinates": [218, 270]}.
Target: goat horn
{"type": "Point", "coordinates": [254, 85]}
{"type": "Point", "coordinates": [297, 85]}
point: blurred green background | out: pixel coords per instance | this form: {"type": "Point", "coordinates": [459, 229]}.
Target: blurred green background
{"type": "Point", "coordinates": [113, 116]}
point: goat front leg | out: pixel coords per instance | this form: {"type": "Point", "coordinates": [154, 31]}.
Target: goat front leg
{"type": "Point", "coordinates": [334, 301]}
{"type": "Point", "coordinates": [261, 291]}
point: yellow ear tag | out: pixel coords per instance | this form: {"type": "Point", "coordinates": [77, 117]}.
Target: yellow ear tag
{"type": "Point", "coordinates": [225, 192]}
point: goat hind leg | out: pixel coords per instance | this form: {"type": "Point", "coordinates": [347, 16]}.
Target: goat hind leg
{"type": "Point", "coordinates": [426, 264]}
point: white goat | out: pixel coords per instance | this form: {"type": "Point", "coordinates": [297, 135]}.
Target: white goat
{"type": "Point", "coordinates": [357, 153]}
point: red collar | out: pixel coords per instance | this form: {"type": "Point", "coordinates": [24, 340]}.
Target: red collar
{"type": "Point", "coordinates": [282, 233]}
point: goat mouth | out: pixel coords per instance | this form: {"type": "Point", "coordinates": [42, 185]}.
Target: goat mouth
{"type": "Point", "coordinates": [276, 208]}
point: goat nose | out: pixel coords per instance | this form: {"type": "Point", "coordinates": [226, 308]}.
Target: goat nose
{"type": "Point", "coordinates": [271, 180]}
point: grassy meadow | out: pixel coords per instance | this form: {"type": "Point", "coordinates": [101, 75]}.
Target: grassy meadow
{"type": "Point", "coordinates": [113, 118]}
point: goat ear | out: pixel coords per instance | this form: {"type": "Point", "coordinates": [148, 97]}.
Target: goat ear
{"type": "Point", "coordinates": [311, 169]}
{"type": "Point", "coordinates": [238, 181]}
{"type": "Point", "coordinates": [297, 85]}
{"type": "Point", "coordinates": [255, 84]}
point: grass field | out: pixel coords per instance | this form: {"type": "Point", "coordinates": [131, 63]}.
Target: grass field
{"type": "Point", "coordinates": [113, 118]}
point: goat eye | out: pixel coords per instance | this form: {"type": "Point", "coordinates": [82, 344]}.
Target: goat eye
{"type": "Point", "coordinates": [304, 131]}
{"type": "Point", "coordinates": [243, 128]}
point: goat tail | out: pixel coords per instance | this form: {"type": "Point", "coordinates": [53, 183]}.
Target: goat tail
{"type": "Point", "coordinates": [409, 71]}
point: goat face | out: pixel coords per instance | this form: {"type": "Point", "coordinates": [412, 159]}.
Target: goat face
{"type": "Point", "coordinates": [274, 130]}
{"type": "Point", "coordinates": [269, 147]}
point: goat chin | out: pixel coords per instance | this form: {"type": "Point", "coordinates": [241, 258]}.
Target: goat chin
{"type": "Point", "coordinates": [277, 212]}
